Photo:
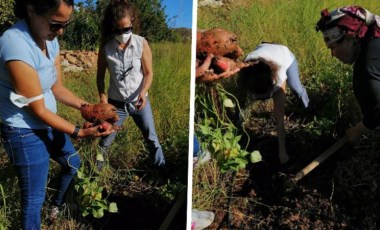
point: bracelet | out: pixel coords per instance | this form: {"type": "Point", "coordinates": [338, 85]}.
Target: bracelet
{"type": "Point", "coordinates": [75, 133]}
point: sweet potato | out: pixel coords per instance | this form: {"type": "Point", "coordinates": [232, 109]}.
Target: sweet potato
{"type": "Point", "coordinates": [103, 125]}
{"type": "Point", "coordinates": [218, 42]}
{"type": "Point", "coordinates": [221, 64]}
{"type": "Point", "coordinates": [99, 112]}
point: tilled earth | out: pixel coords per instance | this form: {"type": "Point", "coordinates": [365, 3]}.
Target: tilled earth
{"type": "Point", "coordinates": [341, 193]}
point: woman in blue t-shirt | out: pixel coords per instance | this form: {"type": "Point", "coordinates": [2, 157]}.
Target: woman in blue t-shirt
{"type": "Point", "coordinates": [128, 59]}
{"type": "Point", "coordinates": [30, 85]}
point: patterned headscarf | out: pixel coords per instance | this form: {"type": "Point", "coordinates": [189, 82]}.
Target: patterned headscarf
{"type": "Point", "coordinates": [354, 21]}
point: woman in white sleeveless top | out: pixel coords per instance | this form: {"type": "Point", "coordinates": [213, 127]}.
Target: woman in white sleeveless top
{"type": "Point", "coordinates": [128, 59]}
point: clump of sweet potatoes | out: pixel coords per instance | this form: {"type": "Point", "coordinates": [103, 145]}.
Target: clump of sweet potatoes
{"type": "Point", "coordinates": [219, 42]}
{"type": "Point", "coordinates": [225, 48]}
{"type": "Point", "coordinates": [99, 114]}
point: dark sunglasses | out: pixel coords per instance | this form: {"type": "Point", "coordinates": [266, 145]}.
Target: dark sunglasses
{"type": "Point", "coordinates": [55, 26]}
{"type": "Point", "coordinates": [125, 30]}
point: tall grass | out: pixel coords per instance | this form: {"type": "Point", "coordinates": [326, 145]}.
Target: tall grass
{"type": "Point", "coordinates": [291, 23]}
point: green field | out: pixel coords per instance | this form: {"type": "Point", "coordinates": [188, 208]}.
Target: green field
{"type": "Point", "coordinates": [232, 196]}
{"type": "Point", "coordinates": [129, 174]}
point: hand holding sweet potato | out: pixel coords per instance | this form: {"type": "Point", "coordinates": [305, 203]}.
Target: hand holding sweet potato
{"type": "Point", "coordinates": [101, 115]}
{"type": "Point", "coordinates": [217, 54]}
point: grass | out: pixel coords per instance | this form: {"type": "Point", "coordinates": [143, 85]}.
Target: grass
{"type": "Point", "coordinates": [169, 96]}
{"type": "Point", "coordinates": [211, 186]}
{"type": "Point", "coordinates": [291, 23]}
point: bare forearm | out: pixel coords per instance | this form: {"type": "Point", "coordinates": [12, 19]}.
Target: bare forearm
{"type": "Point", "coordinates": [101, 89]}
{"type": "Point", "coordinates": [65, 96]}
{"type": "Point", "coordinates": [50, 118]}
{"type": "Point", "coordinates": [148, 80]}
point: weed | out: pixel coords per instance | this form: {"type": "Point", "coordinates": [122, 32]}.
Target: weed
{"type": "Point", "coordinates": [217, 133]}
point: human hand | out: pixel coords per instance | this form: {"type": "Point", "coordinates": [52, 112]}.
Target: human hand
{"type": "Point", "coordinates": [103, 99]}
{"type": "Point", "coordinates": [204, 66]}
{"type": "Point", "coordinates": [96, 131]}
{"type": "Point", "coordinates": [353, 134]}
{"type": "Point", "coordinates": [101, 128]}
{"type": "Point", "coordinates": [210, 76]}
{"type": "Point", "coordinates": [141, 101]}
{"type": "Point", "coordinates": [228, 73]}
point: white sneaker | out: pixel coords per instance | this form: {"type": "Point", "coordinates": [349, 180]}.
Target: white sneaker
{"type": "Point", "coordinates": [203, 157]}
{"type": "Point", "coordinates": [201, 219]}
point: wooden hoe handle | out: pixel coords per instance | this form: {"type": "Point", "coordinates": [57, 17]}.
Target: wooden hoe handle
{"type": "Point", "coordinates": [317, 161]}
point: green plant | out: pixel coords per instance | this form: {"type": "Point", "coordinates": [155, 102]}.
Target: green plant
{"type": "Point", "coordinates": [4, 221]}
{"type": "Point", "coordinates": [171, 189]}
{"type": "Point", "coordinates": [217, 133]}
{"type": "Point", "coordinates": [90, 196]}
{"type": "Point", "coordinates": [319, 127]}
{"type": "Point", "coordinates": [7, 17]}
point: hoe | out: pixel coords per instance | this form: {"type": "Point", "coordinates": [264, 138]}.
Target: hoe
{"type": "Point", "coordinates": [291, 183]}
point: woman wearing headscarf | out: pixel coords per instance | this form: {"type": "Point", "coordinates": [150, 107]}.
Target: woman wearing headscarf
{"type": "Point", "coordinates": [352, 34]}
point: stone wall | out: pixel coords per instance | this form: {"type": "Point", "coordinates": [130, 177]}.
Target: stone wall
{"type": "Point", "coordinates": [75, 60]}
{"type": "Point", "coordinates": [213, 3]}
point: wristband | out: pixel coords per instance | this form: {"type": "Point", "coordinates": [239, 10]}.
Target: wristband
{"type": "Point", "coordinates": [75, 133]}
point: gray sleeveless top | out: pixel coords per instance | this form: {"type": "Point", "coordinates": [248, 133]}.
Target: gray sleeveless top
{"type": "Point", "coordinates": [125, 67]}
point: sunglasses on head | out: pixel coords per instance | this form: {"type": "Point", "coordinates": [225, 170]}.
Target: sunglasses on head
{"type": "Point", "coordinates": [125, 30]}
{"type": "Point", "coordinates": [55, 26]}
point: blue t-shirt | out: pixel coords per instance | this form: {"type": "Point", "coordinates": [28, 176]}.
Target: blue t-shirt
{"type": "Point", "coordinates": [17, 44]}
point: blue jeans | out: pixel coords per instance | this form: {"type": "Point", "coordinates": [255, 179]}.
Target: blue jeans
{"type": "Point", "coordinates": [29, 151]}
{"type": "Point", "coordinates": [144, 120]}
{"type": "Point", "coordinates": [196, 146]}
{"type": "Point", "coordinates": [294, 83]}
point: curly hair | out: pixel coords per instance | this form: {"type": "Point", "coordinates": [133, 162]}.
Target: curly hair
{"type": "Point", "coordinates": [40, 6]}
{"type": "Point", "coordinates": [115, 11]}
{"type": "Point", "coordinates": [258, 77]}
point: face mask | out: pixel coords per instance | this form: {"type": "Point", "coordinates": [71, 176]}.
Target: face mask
{"type": "Point", "coordinates": [123, 38]}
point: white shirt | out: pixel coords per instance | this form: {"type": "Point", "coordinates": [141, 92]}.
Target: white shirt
{"type": "Point", "coordinates": [125, 67]}
{"type": "Point", "coordinates": [278, 54]}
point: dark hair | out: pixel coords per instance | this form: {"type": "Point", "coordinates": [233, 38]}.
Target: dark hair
{"type": "Point", "coordinates": [115, 11]}
{"type": "Point", "coordinates": [40, 6]}
{"type": "Point", "coordinates": [258, 77]}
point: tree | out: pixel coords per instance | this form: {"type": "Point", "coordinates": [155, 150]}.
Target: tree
{"type": "Point", "coordinates": [7, 17]}
{"type": "Point", "coordinates": [152, 18]}
{"type": "Point", "coordinates": [83, 33]}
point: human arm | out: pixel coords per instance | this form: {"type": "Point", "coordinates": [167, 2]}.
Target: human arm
{"type": "Point", "coordinates": [30, 87]}
{"type": "Point", "coordinates": [146, 62]}
{"type": "Point", "coordinates": [100, 75]}
{"type": "Point", "coordinates": [279, 112]}
{"type": "Point", "coordinates": [200, 70]}
{"type": "Point", "coordinates": [367, 91]}
{"type": "Point", "coordinates": [61, 93]}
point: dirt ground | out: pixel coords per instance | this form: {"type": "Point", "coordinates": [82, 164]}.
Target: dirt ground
{"type": "Point", "coordinates": [341, 193]}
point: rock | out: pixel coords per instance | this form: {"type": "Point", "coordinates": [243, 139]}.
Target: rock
{"type": "Point", "coordinates": [77, 60]}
